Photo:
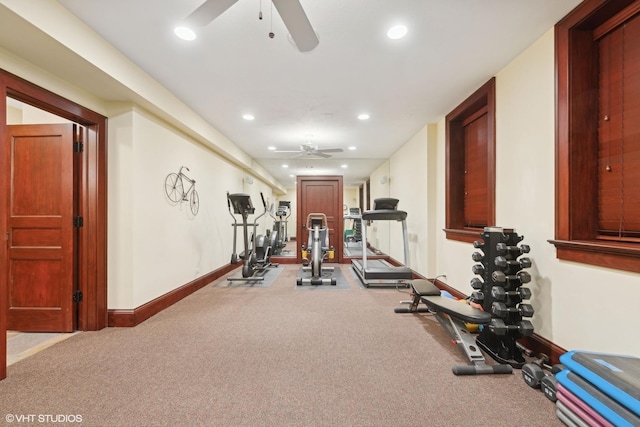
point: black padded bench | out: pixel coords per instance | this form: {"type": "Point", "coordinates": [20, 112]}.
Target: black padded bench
{"type": "Point", "coordinates": [453, 315]}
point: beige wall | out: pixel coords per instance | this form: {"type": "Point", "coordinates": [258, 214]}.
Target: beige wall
{"type": "Point", "coordinates": [577, 306]}
{"type": "Point", "coordinates": [154, 244]}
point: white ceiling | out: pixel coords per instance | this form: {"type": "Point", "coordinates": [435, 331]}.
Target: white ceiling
{"type": "Point", "coordinates": [233, 68]}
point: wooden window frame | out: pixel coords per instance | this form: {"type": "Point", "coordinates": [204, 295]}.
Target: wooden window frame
{"type": "Point", "coordinates": [577, 139]}
{"type": "Point", "coordinates": [484, 97]}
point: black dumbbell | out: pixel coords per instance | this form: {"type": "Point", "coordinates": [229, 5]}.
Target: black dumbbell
{"type": "Point", "coordinates": [478, 244]}
{"type": "Point", "coordinates": [477, 256]}
{"type": "Point", "coordinates": [478, 269]}
{"type": "Point", "coordinates": [532, 374]}
{"type": "Point", "coordinates": [511, 279]}
{"type": "Point", "coordinates": [498, 293]}
{"type": "Point", "coordinates": [535, 376]}
{"type": "Point", "coordinates": [498, 327]}
{"type": "Point", "coordinates": [502, 262]}
{"type": "Point", "coordinates": [500, 309]}
{"type": "Point", "coordinates": [513, 251]}
{"type": "Point", "coordinates": [477, 283]}
{"type": "Point", "coordinates": [548, 387]}
{"type": "Point", "coordinates": [477, 296]}
{"type": "Point", "coordinates": [525, 328]}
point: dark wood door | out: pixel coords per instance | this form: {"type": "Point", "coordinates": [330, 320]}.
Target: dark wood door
{"type": "Point", "coordinates": [40, 241]}
{"type": "Point", "coordinates": [322, 194]}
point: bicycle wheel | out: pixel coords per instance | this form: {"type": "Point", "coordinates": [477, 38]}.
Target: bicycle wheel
{"type": "Point", "coordinates": [173, 187]}
{"type": "Point", "coordinates": [194, 202]}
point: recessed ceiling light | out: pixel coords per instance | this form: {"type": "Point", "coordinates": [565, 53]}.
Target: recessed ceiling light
{"type": "Point", "coordinates": [352, 148]}
{"type": "Point", "coordinates": [363, 116]}
{"type": "Point", "coordinates": [344, 166]}
{"type": "Point", "coordinates": [248, 116]}
{"type": "Point", "coordinates": [285, 166]}
{"type": "Point", "coordinates": [291, 176]}
{"type": "Point", "coordinates": [185, 33]}
{"type": "Point", "coordinates": [397, 32]}
{"type": "Point", "coordinates": [271, 148]}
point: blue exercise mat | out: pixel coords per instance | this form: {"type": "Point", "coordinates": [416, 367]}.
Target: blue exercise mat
{"type": "Point", "coordinates": [612, 411]}
{"type": "Point", "coordinates": [615, 375]}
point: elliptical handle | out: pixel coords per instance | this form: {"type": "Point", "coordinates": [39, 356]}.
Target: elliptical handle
{"type": "Point", "coordinates": [235, 221]}
{"type": "Point", "coordinates": [264, 203]}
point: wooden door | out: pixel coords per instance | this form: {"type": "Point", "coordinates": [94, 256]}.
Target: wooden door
{"type": "Point", "coordinates": [321, 194]}
{"type": "Point", "coordinates": [40, 241]}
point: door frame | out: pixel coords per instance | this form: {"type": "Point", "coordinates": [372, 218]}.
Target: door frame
{"type": "Point", "coordinates": [92, 203]}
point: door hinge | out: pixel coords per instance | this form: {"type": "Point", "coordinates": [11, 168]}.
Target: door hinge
{"type": "Point", "coordinates": [78, 146]}
{"type": "Point", "coordinates": [77, 296]}
{"type": "Point", "coordinates": [78, 221]}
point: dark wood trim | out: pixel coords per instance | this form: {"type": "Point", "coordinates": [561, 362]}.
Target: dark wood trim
{"type": "Point", "coordinates": [465, 235]}
{"type": "Point", "coordinates": [539, 345]}
{"type": "Point", "coordinates": [133, 317]}
{"type": "Point", "coordinates": [92, 274]}
{"type": "Point", "coordinates": [622, 256]}
{"type": "Point", "coordinates": [483, 99]}
{"type": "Point", "coordinates": [616, 20]}
{"type": "Point", "coordinates": [576, 72]}
{"type": "Point", "coordinates": [5, 165]}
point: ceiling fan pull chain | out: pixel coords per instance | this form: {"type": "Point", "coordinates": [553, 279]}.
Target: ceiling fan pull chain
{"type": "Point", "coordinates": [260, 14]}
{"type": "Point", "coordinates": [271, 33]}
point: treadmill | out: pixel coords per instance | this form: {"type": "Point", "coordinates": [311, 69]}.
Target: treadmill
{"type": "Point", "coordinates": [379, 272]}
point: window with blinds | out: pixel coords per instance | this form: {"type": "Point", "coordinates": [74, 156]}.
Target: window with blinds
{"type": "Point", "coordinates": [475, 170]}
{"type": "Point", "coordinates": [619, 132]}
{"type": "Point", "coordinates": [470, 172]}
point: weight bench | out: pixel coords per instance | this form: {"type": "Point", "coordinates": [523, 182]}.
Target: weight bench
{"type": "Point", "coordinates": [453, 315]}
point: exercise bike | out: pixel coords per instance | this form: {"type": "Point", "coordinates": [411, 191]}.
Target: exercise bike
{"type": "Point", "coordinates": [318, 247]}
{"type": "Point", "coordinates": [256, 259]}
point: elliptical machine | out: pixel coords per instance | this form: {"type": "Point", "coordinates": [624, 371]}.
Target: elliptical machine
{"type": "Point", "coordinates": [255, 258]}
{"type": "Point", "coordinates": [318, 247]}
{"type": "Point", "coordinates": [278, 236]}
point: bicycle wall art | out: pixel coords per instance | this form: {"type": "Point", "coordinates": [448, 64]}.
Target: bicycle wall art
{"type": "Point", "coordinates": [174, 188]}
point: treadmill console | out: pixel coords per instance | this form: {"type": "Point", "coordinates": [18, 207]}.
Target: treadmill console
{"type": "Point", "coordinates": [385, 203]}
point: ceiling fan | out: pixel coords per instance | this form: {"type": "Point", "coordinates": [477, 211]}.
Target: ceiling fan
{"type": "Point", "coordinates": [310, 150]}
{"type": "Point", "coordinates": [291, 12]}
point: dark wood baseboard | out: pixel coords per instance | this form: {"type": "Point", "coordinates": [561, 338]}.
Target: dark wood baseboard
{"type": "Point", "coordinates": [133, 317]}
{"type": "Point", "coordinates": [277, 259]}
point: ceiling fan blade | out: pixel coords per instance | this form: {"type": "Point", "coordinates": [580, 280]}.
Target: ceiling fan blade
{"type": "Point", "coordinates": [208, 11]}
{"type": "Point", "coordinates": [320, 154]}
{"type": "Point", "coordinates": [330, 150]}
{"type": "Point", "coordinates": [296, 21]}
{"type": "Point", "coordinates": [285, 151]}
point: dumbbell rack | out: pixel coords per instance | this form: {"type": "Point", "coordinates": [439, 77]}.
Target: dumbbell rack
{"type": "Point", "coordinates": [499, 290]}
